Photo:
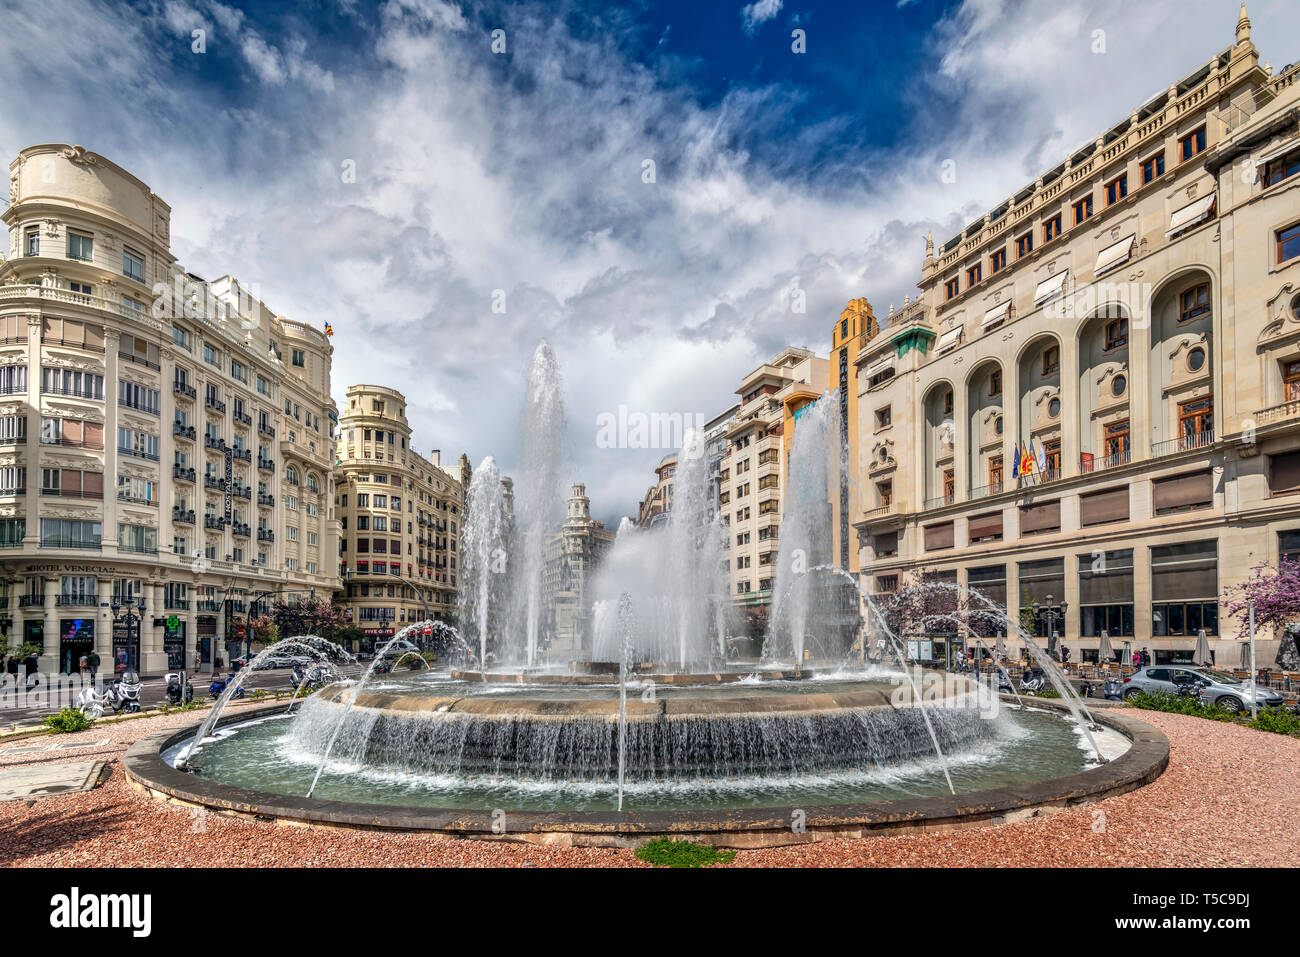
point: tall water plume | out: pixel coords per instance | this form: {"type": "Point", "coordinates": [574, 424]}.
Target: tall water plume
{"type": "Point", "coordinates": [805, 534]}
{"type": "Point", "coordinates": [483, 571]}
{"type": "Point", "coordinates": [539, 505]}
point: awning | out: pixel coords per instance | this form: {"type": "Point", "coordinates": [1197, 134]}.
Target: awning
{"type": "Point", "coordinates": [1287, 147]}
{"type": "Point", "coordinates": [1191, 214]}
{"type": "Point", "coordinates": [1050, 287]}
{"type": "Point", "coordinates": [1115, 254]}
{"type": "Point", "coordinates": [880, 366]}
{"type": "Point", "coordinates": [996, 314]}
{"type": "Point", "coordinates": [948, 340]}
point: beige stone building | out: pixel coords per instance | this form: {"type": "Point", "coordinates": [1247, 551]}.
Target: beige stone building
{"type": "Point", "coordinates": [1132, 318]}
{"type": "Point", "coordinates": [401, 514]}
{"type": "Point", "coordinates": [751, 476]}
{"type": "Point", "coordinates": [162, 438]}
{"type": "Point", "coordinates": [658, 502]}
{"type": "Point", "coordinates": [572, 557]}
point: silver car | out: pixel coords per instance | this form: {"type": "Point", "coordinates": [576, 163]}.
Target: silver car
{"type": "Point", "coordinates": [1222, 689]}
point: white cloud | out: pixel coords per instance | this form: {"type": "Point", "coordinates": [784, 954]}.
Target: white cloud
{"type": "Point", "coordinates": [477, 173]}
{"type": "Point", "coordinates": [754, 15]}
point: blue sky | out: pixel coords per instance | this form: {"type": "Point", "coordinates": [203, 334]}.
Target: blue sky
{"type": "Point", "coordinates": [775, 171]}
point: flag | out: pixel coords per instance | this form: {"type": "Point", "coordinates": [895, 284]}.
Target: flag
{"type": "Point", "coordinates": [1026, 461]}
{"type": "Point", "coordinates": [1015, 461]}
{"type": "Point", "coordinates": [329, 330]}
{"type": "Point", "coordinates": [1042, 455]}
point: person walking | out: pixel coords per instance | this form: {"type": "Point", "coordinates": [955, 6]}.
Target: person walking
{"type": "Point", "coordinates": [83, 664]}
{"type": "Point", "coordinates": [1146, 657]}
{"type": "Point", "coordinates": [92, 660]}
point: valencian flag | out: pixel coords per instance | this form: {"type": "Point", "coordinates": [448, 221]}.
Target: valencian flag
{"type": "Point", "coordinates": [329, 330]}
{"type": "Point", "coordinates": [1026, 460]}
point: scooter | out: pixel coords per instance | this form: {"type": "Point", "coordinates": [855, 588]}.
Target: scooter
{"type": "Point", "coordinates": [1112, 689]}
{"type": "Point", "coordinates": [218, 686]}
{"type": "Point", "coordinates": [320, 675]}
{"type": "Point", "coordinates": [1034, 679]}
{"type": "Point", "coordinates": [122, 694]}
{"type": "Point", "coordinates": [1188, 687]}
{"type": "Point", "coordinates": [174, 695]}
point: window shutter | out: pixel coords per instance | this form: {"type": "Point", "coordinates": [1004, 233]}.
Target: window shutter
{"type": "Point", "coordinates": [1102, 507]}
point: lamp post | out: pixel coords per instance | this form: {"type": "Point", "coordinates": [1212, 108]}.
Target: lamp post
{"type": "Point", "coordinates": [248, 622]}
{"type": "Point", "coordinates": [1052, 612]}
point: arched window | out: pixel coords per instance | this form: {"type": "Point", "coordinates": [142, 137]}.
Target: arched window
{"type": "Point", "coordinates": [291, 474]}
{"type": "Point", "coordinates": [313, 484]}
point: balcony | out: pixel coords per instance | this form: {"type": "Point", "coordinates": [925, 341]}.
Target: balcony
{"type": "Point", "coordinates": [243, 455]}
{"type": "Point", "coordinates": [212, 482]}
{"type": "Point", "coordinates": [176, 604]}
{"type": "Point", "coordinates": [243, 418]}
{"type": "Point", "coordinates": [266, 465]}
{"type": "Point", "coordinates": [267, 430]}
{"type": "Point", "coordinates": [78, 543]}
{"type": "Point", "coordinates": [240, 529]}
{"type": "Point", "coordinates": [265, 499]}
{"type": "Point", "coordinates": [1187, 442]}
{"type": "Point", "coordinates": [984, 491]}
{"type": "Point", "coordinates": [940, 501]}
{"type": "Point", "coordinates": [1101, 463]}
{"type": "Point", "coordinates": [184, 474]}
{"type": "Point", "coordinates": [214, 522]}
{"type": "Point", "coordinates": [1278, 413]}
{"type": "Point", "coordinates": [183, 515]}
{"type": "Point", "coordinates": [72, 493]}
{"type": "Point", "coordinates": [216, 443]}
{"type": "Point", "coordinates": [188, 391]}
{"type": "Point", "coordinates": [184, 431]}
{"type": "Point", "coordinates": [76, 601]}
{"type": "Point", "coordinates": [208, 604]}
{"type": "Point", "coordinates": [243, 491]}
{"type": "Point", "coordinates": [31, 601]}
{"type": "Point", "coordinates": [137, 453]}
{"type": "Point", "coordinates": [137, 549]}
{"type": "Point", "coordinates": [1036, 478]}
{"type": "Point", "coordinates": [134, 499]}
{"type": "Point", "coordinates": [62, 441]}
{"type": "Point", "coordinates": [213, 403]}
{"type": "Point", "coordinates": [265, 535]}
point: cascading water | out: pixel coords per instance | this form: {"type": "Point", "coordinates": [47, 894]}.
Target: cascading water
{"type": "Point", "coordinates": [483, 557]}
{"type": "Point", "coordinates": [538, 505]}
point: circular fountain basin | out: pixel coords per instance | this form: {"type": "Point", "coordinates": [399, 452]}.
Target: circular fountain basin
{"type": "Point", "coordinates": [759, 764]}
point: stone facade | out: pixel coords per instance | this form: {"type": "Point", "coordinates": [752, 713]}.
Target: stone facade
{"type": "Point", "coordinates": [1132, 319]}
{"type": "Point", "coordinates": [401, 514]}
{"type": "Point", "coordinates": [572, 557]}
{"type": "Point", "coordinates": [162, 438]}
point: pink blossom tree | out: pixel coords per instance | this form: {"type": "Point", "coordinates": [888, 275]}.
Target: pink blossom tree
{"type": "Point", "coordinates": [1275, 593]}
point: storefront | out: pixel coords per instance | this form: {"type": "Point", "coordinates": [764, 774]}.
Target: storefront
{"type": "Point", "coordinates": [207, 631]}
{"type": "Point", "coordinates": [174, 643]}
{"type": "Point", "coordinates": [34, 634]}
{"type": "Point", "coordinates": [126, 646]}
{"type": "Point", "coordinates": [373, 637]}
{"type": "Point", "coordinates": [76, 638]}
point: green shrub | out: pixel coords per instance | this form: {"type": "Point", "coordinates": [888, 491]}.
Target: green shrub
{"type": "Point", "coordinates": [67, 721]}
{"type": "Point", "coordinates": [1173, 704]}
{"type": "Point", "coordinates": [1278, 721]}
{"type": "Point", "coordinates": [665, 852]}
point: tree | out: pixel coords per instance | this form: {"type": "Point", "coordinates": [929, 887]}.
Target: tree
{"type": "Point", "coordinates": [307, 616]}
{"type": "Point", "coordinates": [1275, 594]}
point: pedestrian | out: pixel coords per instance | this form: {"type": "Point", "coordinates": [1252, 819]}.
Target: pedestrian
{"type": "Point", "coordinates": [83, 664]}
{"type": "Point", "coordinates": [30, 664]}
{"type": "Point", "coordinates": [1146, 657]}
{"type": "Point", "coordinates": [92, 660]}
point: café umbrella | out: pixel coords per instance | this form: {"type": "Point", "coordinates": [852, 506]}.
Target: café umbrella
{"type": "Point", "coordinates": [1202, 654]}
{"type": "Point", "coordinates": [1104, 651]}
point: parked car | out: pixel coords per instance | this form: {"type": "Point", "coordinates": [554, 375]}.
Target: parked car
{"type": "Point", "coordinates": [282, 661]}
{"type": "Point", "coordinates": [1221, 688]}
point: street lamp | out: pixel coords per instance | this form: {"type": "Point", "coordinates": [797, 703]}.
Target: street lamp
{"type": "Point", "coordinates": [1052, 612]}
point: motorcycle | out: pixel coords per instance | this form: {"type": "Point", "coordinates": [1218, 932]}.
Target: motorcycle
{"type": "Point", "coordinates": [1112, 690]}
{"type": "Point", "coordinates": [1189, 687]}
{"type": "Point", "coordinates": [315, 675]}
{"type": "Point", "coordinates": [174, 693]}
{"type": "Point", "coordinates": [1034, 679]}
{"type": "Point", "coordinates": [121, 694]}
{"type": "Point", "coordinates": [218, 686]}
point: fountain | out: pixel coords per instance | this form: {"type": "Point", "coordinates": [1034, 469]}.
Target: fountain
{"type": "Point", "coordinates": [657, 730]}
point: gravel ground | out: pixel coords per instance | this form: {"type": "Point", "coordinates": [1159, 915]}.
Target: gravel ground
{"type": "Point", "coordinates": [1231, 797]}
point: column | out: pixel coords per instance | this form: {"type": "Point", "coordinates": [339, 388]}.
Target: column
{"type": "Point", "coordinates": [49, 660]}
{"type": "Point", "coordinates": [1069, 627]}
{"type": "Point", "coordinates": [962, 453]}
{"type": "Point", "coordinates": [104, 625]}
{"type": "Point", "coordinates": [31, 506]}
{"type": "Point", "coordinates": [1069, 375]}
{"type": "Point", "coordinates": [1141, 596]}
{"type": "Point", "coordinates": [153, 661]}
{"type": "Point", "coordinates": [111, 339]}
{"type": "Point", "coordinates": [166, 443]}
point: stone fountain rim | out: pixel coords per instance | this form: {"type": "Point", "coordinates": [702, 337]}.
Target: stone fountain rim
{"type": "Point", "coordinates": [698, 702]}
{"type": "Point", "coordinates": [1142, 763]}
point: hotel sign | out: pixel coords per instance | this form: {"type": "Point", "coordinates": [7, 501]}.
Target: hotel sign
{"type": "Point", "coordinates": [230, 483]}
